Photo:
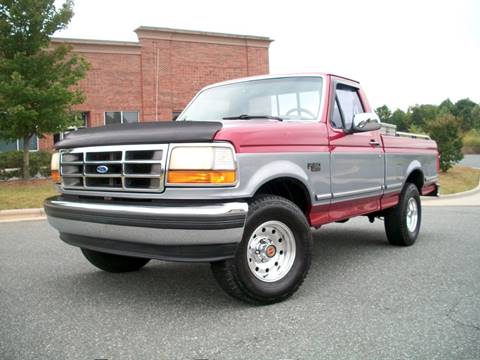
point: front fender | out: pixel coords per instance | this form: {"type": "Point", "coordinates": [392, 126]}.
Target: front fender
{"type": "Point", "coordinates": [260, 169]}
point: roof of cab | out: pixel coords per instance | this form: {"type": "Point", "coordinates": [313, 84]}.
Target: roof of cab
{"type": "Point", "coordinates": [274, 76]}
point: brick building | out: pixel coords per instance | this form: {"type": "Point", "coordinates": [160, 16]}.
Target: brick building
{"type": "Point", "coordinates": [154, 78]}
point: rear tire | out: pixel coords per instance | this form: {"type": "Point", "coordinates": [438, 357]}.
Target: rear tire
{"type": "Point", "coordinates": [402, 222]}
{"type": "Point", "coordinates": [114, 263]}
{"type": "Point", "coordinates": [273, 257]}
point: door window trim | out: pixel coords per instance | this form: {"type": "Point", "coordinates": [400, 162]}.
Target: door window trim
{"type": "Point", "coordinates": [333, 98]}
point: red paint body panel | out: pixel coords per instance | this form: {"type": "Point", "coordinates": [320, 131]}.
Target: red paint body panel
{"type": "Point", "coordinates": [319, 215]}
{"type": "Point", "coordinates": [274, 136]}
{"type": "Point", "coordinates": [347, 209]}
{"type": "Point", "coordinates": [389, 200]}
{"type": "Point", "coordinates": [428, 189]}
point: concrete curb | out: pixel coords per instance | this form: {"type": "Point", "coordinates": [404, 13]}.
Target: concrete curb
{"type": "Point", "coordinates": [461, 194]}
{"type": "Point", "coordinates": [22, 215]}
{"type": "Point", "coordinates": [466, 198]}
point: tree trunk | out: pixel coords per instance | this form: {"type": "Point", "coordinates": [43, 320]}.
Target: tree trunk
{"type": "Point", "coordinates": [26, 157]}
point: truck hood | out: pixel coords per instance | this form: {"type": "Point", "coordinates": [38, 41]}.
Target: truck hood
{"type": "Point", "coordinates": [269, 135]}
{"type": "Point", "coordinates": [142, 133]}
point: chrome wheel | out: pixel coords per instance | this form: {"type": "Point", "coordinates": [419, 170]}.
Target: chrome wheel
{"type": "Point", "coordinates": [412, 215]}
{"type": "Point", "coordinates": [271, 251]}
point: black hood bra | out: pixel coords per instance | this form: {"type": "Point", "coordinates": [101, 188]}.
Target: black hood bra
{"type": "Point", "coordinates": [142, 133]}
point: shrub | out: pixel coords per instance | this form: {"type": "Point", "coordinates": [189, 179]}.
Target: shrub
{"type": "Point", "coordinates": [39, 164]}
{"type": "Point", "coordinates": [445, 130]}
{"type": "Point", "coordinates": [471, 142]}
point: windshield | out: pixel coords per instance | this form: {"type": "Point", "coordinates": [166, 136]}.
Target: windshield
{"type": "Point", "coordinates": [290, 98]}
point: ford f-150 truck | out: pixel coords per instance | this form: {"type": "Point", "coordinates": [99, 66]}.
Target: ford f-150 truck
{"type": "Point", "coordinates": [239, 180]}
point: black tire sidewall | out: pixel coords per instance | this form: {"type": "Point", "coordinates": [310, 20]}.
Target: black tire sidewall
{"type": "Point", "coordinates": [295, 220]}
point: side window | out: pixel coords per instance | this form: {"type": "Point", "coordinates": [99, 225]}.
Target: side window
{"type": "Point", "coordinates": [349, 103]}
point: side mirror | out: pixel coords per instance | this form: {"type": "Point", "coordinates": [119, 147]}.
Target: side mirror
{"type": "Point", "coordinates": [363, 122]}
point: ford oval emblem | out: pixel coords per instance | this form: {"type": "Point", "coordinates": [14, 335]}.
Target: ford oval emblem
{"type": "Point", "coordinates": [102, 169]}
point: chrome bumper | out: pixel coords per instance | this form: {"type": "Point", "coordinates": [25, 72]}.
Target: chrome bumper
{"type": "Point", "coordinates": [186, 232]}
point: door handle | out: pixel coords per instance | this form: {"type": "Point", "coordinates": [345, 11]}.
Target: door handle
{"type": "Point", "coordinates": [374, 142]}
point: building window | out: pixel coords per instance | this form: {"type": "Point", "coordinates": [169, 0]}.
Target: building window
{"type": "Point", "coordinates": [121, 117]}
{"type": "Point", "coordinates": [18, 145]}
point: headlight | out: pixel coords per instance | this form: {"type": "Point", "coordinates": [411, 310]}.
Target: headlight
{"type": "Point", "coordinates": [55, 167]}
{"type": "Point", "coordinates": [202, 165]}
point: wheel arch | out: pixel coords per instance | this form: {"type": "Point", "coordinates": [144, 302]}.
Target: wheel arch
{"type": "Point", "coordinates": [415, 175]}
{"type": "Point", "coordinates": [289, 187]}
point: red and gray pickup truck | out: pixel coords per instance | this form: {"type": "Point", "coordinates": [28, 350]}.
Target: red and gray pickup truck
{"type": "Point", "coordinates": [239, 180]}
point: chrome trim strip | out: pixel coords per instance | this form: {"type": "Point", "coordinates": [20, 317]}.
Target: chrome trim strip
{"type": "Point", "coordinates": [357, 192]}
{"type": "Point", "coordinates": [393, 186]}
{"type": "Point", "coordinates": [201, 210]}
{"type": "Point", "coordinates": [111, 148]}
{"type": "Point", "coordinates": [389, 191]}
{"type": "Point", "coordinates": [413, 135]}
{"type": "Point", "coordinates": [320, 197]}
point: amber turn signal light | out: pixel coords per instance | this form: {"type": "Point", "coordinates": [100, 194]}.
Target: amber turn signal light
{"type": "Point", "coordinates": [201, 176]}
{"type": "Point", "coordinates": [55, 176]}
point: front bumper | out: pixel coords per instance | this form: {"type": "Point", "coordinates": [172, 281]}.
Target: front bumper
{"type": "Point", "coordinates": [187, 231]}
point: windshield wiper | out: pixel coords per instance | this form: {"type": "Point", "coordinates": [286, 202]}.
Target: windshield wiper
{"type": "Point", "coordinates": [246, 117]}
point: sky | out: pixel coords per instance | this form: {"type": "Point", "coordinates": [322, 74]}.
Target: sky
{"type": "Point", "coordinates": [402, 52]}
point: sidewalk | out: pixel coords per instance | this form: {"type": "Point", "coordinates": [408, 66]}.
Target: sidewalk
{"type": "Point", "coordinates": [22, 215]}
{"type": "Point", "coordinates": [467, 198]}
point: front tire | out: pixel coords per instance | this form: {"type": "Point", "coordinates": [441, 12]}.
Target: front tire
{"type": "Point", "coordinates": [402, 223]}
{"type": "Point", "coordinates": [273, 257]}
{"type": "Point", "coordinates": [114, 263]}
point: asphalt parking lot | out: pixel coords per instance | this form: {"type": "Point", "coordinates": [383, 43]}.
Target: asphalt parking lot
{"type": "Point", "coordinates": [363, 299]}
{"type": "Point", "coordinates": [472, 160]}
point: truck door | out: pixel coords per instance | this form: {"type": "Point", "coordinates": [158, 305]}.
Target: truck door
{"type": "Point", "coordinates": [357, 164]}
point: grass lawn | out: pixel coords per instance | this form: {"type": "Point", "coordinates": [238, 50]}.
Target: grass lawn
{"type": "Point", "coordinates": [25, 194]}
{"type": "Point", "coordinates": [458, 179]}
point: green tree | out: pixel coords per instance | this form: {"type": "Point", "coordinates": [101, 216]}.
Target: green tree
{"type": "Point", "coordinates": [401, 119]}
{"type": "Point", "coordinates": [476, 117]}
{"type": "Point", "coordinates": [445, 130]}
{"type": "Point", "coordinates": [445, 107]}
{"type": "Point", "coordinates": [384, 113]}
{"type": "Point", "coordinates": [37, 81]}
{"type": "Point", "coordinates": [463, 110]}
{"type": "Point", "coordinates": [421, 114]}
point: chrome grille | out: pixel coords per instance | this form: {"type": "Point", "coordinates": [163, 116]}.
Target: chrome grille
{"type": "Point", "coordinates": [115, 168]}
